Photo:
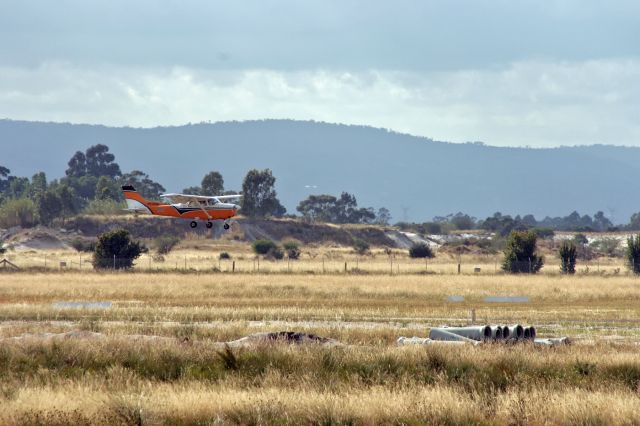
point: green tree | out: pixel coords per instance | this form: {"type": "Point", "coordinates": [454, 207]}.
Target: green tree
{"type": "Point", "coordinates": [4, 178]}
{"type": "Point", "coordinates": [100, 162]}
{"type": "Point", "coordinates": [259, 195]}
{"type": "Point", "coordinates": [568, 255]}
{"type": "Point", "coordinates": [77, 165]}
{"type": "Point", "coordinates": [633, 253]}
{"type": "Point", "coordinates": [38, 185]}
{"type": "Point", "coordinates": [192, 190]}
{"type": "Point", "coordinates": [49, 206]}
{"type": "Point", "coordinates": [106, 189]}
{"type": "Point", "coordinates": [71, 204]}
{"type": "Point", "coordinates": [116, 250]}
{"type": "Point", "coordinates": [520, 253]}
{"type": "Point", "coordinates": [18, 212]}
{"type": "Point", "coordinates": [144, 185]}
{"type": "Point", "coordinates": [96, 161]}
{"type": "Point", "coordinates": [212, 184]}
{"type": "Point", "coordinates": [383, 217]}
{"type": "Point", "coordinates": [320, 208]}
{"type": "Point", "coordinates": [18, 187]}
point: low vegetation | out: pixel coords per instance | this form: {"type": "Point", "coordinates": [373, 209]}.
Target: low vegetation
{"type": "Point", "coordinates": [116, 250]}
{"type": "Point", "coordinates": [520, 253]}
{"type": "Point", "coordinates": [567, 254]}
{"type": "Point", "coordinates": [421, 251]}
{"type": "Point", "coordinates": [182, 376]}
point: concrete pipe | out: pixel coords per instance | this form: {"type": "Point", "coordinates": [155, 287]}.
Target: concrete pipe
{"type": "Point", "coordinates": [515, 332]}
{"type": "Point", "coordinates": [532, 332]}
{"type": "Point", "coordinates": [478, 332]}
{"type": "Point", "coordinates": [527, 334]}
{"type": "Point", "coordinates": [506, 332]}
{"type": "Point", "coordinates": [443, 334]}
{"type": "Point", "coordinates": [496, 332]}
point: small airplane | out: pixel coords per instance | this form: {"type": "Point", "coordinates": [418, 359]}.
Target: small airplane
{"type": "Point", "coordinates": [185, 206]}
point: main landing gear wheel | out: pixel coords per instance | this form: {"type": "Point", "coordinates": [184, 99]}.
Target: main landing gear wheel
{"type": "Point", "coordinates": [209, 224]}
{"type": "Point", "coordinates": [193, 224]}
{"type": "Point", "coordinates": [226, 226]}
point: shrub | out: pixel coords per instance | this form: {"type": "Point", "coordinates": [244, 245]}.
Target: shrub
{"type": "Point", "coordinates": [21, 212]}
{"type": "Point", "coordinates": [224, 256]}
{"type": "Point", "coordinates": [420, 251]}
{"type": "Point", "coordinates": [360, 246]}
{"type": "Point", "coordinates": [116, 250]}
{"type": "Point", "coordinates": [165, 243]}
{"type": "Point", "coordinates": [567, 254]}
{"type": "Point", "coordinates": [83, 244]}
{"type": "Point", "coordinates": [105, 207]}
{"type": "Point", "coordinates": [263, 246]}
{"type": "Point", "coordinates": [292, 249]}
{"type": "Point", "coordinates": [633, 253]}
{"type": "Point", "coordinates": [520, 253]}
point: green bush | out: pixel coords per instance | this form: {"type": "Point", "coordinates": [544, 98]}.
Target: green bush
{"type": "Point", "coordinates": [105, 207]}
{"type": "Point", "coordinates": [116, 250]}
{"type": "Point", "coordinates": [224, 256]}
{"type": "Point", "coordinates": [21, 212]}
{"type": "Point", "coordinates": [567, 254]}
{"type": "Point", "coordinates": [421, 251]}
{"type": "Point", "coordinates": [165, 244]}
{"type": "Point", "coordinates": [633, 253]}
{"type": "Point", "coordinates": [520, 254]}
{"type": "Point", "coordinates": [292, 249]}
{"type": "Point", "coordinates": [263, 246]}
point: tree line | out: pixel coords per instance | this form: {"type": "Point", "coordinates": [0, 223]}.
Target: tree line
{"type": "Point", "coordinates": [92, 184]}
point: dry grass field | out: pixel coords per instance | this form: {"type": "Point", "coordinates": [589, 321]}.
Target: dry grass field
{"type": "Point", "coordinates": [183, 377]}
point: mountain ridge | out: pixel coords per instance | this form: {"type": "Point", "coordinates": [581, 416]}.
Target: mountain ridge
{"type": "Point", "coordinates": [414, 176]}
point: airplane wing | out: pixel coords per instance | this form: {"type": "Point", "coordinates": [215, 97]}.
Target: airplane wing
{"type": "Point", "coordinates": [228, 197]}
{"type": "Point", "coordinates": [185, 198]}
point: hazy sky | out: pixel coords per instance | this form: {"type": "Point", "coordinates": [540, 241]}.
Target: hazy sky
{"type": "Point", "coordinates": [538, 73]}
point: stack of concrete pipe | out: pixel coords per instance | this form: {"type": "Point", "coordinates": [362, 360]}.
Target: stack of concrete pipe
{"type": "Point", "coordinates": [484, 333]}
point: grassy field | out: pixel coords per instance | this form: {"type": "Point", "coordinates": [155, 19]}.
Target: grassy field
{"type": "Point", "coordinates": [184, 378]}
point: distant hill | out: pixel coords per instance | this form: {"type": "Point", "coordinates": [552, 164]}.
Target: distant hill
{"type": "Point", "coordinates": [412, 176]}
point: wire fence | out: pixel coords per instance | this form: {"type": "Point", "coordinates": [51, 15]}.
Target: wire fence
{"type": "Point", "coordinates": [489, 265]}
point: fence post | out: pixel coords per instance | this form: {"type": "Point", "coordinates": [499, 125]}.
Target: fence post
{"type": "Point", "coordinates": [529, 265]}
{"type": "Point", "coordinates": [458, 268]}
{"type": "Point", "coordinates": [45, 261]}
{"type": "Point", "coordinates": [114, 262]}
{"type": "Point", "coordinates": [345, 267]}
{"type": "Point", "coordinates": [233, 266]}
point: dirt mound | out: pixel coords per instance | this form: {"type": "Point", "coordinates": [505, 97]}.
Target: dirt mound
{"type": "Point", "coordinates": [290, 337]}
{"type": "Point", "coordinates": [36, 239]}
{"type": "Point", "coordinates": [252, 229]}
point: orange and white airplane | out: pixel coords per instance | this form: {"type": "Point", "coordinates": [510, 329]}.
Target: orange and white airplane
{"type": "Point", "coordinates": [185, 206]}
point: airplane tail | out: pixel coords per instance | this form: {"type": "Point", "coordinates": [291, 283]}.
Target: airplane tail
{"type": "Point", "coordinates": [135, 201]}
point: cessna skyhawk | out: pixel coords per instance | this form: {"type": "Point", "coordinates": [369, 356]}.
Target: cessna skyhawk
{"type": "Point", "coordinates": [185, 206]}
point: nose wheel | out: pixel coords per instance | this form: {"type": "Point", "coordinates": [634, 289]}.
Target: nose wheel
{"type": "Point", "coordinates": [193, 224]}
{"type": "Point", "coordinates": [209, 225]}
